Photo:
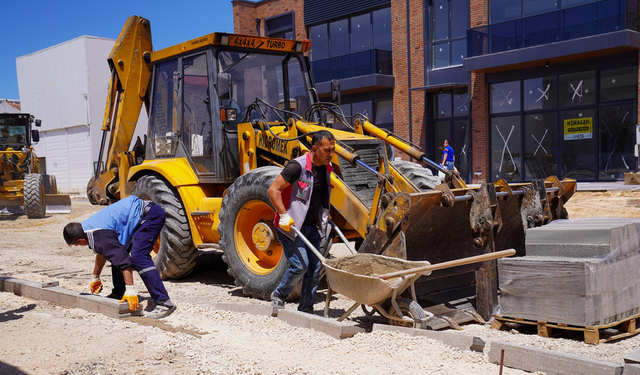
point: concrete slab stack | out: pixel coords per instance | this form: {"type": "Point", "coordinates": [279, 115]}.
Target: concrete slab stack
{"type": "Point", "coordinates": [576, 272]}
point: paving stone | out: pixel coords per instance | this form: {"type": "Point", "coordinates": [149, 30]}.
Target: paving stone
{"type": "Point", "coordinates": [633, 356]}
{"type": "Point", "coordinates": [581, 239]}
{"type": "Point", "coordinates": [24, 288]}
{"type": "Point", "coordinates": [575, 291]}
{"type": "Point", "coordinates": [261, 310]}
{"type": "Point", "coordinates": [61, 296]}
{"type": "Point", "coordinates": [463, 342]}
{"type": "Point", "coordinates": [331, 327]}
{"type": "Point", "coordinates": [106, 306]}
{"type": "Point", "coordinates": [631, 369]}
{"type": "Point", "coordinates": [550, 362]}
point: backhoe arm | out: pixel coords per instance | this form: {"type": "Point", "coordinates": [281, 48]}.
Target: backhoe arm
{"type": "Point", "coordinates": [452, 178]}
{"type": "Point", "coordinates": [128, 90]}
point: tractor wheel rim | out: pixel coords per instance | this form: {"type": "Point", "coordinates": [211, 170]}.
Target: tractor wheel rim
{"type": "Point", "coordinates": [257, 261]}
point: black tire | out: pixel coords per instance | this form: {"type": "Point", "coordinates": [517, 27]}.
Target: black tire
{"type": "Point", "coordinates": [410, 308]}
{"type": "Point", "coordinates": [34, 196]}
{"type": "Point", "coordinates": [176, 256]}
{"type": "Point", "coordinates": [422, 177]}
{"type": "Point", "coordinates": [50, 184]}
{"type": "Point", "coordinates": [245, 204]}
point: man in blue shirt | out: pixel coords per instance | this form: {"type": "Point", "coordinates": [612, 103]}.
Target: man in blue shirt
{"type": "Point", "coordinates": [131, 223]}
{"type": "Point", "coordinates": [448, 158]}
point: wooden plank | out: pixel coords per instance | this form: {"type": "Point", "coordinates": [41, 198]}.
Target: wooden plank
{"type": "Point", "coordinates": [592, 335]}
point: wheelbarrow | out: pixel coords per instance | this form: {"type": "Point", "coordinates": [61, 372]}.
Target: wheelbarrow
{"type": "Point", "coordinates": [372, 280]}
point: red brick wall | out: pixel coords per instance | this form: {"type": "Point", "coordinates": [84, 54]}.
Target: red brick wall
{"type": "Point", "coordinates": [245, 14]}
{"type": "Point", "coordinates": [633, 12]}
{"type": "Point", "coordinates": [403, 98]}
{"type": "Point", "coordinates": [479, 92]}
{"type": "Point", "coordinates": [417, 45]}
{"type": "Point", "coordinates": [400, 68]}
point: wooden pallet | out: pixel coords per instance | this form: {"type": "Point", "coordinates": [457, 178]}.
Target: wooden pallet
{"type": "Point", "coordinates": [592, 335]}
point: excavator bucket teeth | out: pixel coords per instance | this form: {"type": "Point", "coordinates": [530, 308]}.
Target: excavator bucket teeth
{"type": "Point", "coordinates": [58, 203]}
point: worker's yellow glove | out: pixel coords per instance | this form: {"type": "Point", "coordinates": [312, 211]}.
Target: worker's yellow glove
{"type": "Point", "coordinates": [131, 297]}
{"type": "Point", "coordinates": [96, 285]}
{"type": "Point", "coordinates": [286, 222]}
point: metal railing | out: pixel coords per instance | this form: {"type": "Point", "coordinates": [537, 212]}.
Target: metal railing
{"type": "Point", "coordinates": [373, 61]}
{"type": "Point", "coordinates": [566, 24]}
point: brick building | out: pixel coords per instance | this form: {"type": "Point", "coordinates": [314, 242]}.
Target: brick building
{"type": "Point", "coordinates": [524, 89]}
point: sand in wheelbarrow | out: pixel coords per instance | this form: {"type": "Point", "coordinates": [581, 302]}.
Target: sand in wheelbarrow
{"type": "Point", "coordinates": [371, 264]}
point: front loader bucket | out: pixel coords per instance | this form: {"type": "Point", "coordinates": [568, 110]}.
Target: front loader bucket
{"type": "Point", "coordinates": [58, 203]}
{"type": "Point", "coordinates": [445, 225]}
{"type": "Point", "coordinates": [437, 233]}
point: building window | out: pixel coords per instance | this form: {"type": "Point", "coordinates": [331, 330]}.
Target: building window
{"type": "Point", "coordinates": [449, 24]}
{"type": "Point", "coordinates": [449, 114]}
{"type": "Point", "coordinates": [505, 148]}
{"type": "Point", "coordinates": [382, 29]}
{"type": "Point", "coordinates": [281, 26]}
{"type": "Point", "coordinates": [540, 93]}
{"type": "Point", "coordinates": [507, 10]}
{"type": "Point", "coordinates": [339, 37]}
{"type": "Point", "coordinates": [565, 126]}
{"type": "Point", "coordinates": [505, 97]}
{"type": "Point", "coordinates": [361, 33]}
{"type": "Point", "coordinates": [351, 47]}
{"type": "Point", "coordinates": [319, 41]}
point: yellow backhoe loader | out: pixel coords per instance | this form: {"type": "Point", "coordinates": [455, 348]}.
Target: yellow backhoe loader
{"type": "Point", "coordinates": [23, 186]}
{"type": "Point", "coordinates": [227, 112]}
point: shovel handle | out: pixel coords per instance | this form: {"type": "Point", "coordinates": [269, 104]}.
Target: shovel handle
{"type": "Point", "coordinates": [306, 241]}
{"type": "Point", "coordinates": [451, 263]}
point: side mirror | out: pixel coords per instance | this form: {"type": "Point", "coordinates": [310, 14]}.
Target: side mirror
{"type": "Point", "coordinates": [35, 136]}
{"type": "Point", "coordinates": [335, 91]}
{"type": "Point", "coordinates": [224, 87]}
{"type": "Point", "coordinates": [38, 122]}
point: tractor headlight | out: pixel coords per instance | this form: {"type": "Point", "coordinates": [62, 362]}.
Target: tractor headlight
{"type": "Point", "coordinates": [228, 114]}
{"type": "Point", "coordinates": [25, 150]}
{"type": "Point", "coordinates": [329, 119]}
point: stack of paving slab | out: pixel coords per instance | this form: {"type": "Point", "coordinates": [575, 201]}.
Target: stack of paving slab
{"type": "Point", "coordinates": [575, 272]}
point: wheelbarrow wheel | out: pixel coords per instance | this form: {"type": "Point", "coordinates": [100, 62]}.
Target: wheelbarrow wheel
{"type": "Point", "coordinates": [409, 308]}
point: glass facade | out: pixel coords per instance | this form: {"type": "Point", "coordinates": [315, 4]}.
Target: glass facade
{"type": "Point", "coordinates": [281, 26]}
{"type": "Point", "coordinates": [449, 114]}
{"type": "Point", "coordinates": [449, 23]}
{"type": "Point", "coordinates": [527, 23]}
{"type": "Point", "coordinates": [351, 47]}
{"type": "Point", "coordinates": [577, 125]}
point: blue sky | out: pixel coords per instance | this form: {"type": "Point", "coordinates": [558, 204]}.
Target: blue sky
{"type": "Point", "coordinates": [31, 25]}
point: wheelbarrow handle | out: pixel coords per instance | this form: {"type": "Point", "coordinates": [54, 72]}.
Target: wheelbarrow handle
{"type": "Point", "coordinates": [451, 263]}
{"type": "Point", "coordinates": [306, 241]}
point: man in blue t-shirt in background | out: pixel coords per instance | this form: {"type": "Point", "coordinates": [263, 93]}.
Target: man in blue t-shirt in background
{"type": "Point", "coordinates": [131, 223]}
{"type": "Point", "coordinates": [448, 158]}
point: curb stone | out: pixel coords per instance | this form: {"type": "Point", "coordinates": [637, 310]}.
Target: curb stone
{"type": "Point", "coordinates": [463, 342]}
{"type": "Point", "coordinates": [64, 297]}
{"type": "Point", "coordinates": [552, 363]}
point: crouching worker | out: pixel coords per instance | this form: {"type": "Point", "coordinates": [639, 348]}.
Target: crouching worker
{"type": "Point", "coordinates": [300, 195]}
{"type": "Point", "coordinates": [131, 223]}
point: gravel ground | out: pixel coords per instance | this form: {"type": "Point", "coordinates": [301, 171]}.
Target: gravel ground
{"type": "Point", "coordinates": [43, 338]}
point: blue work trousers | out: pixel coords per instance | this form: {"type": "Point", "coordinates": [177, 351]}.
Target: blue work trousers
{"type": "Point", "coordinates": [144, 238]}
{"type": "Point", "coordinates": [303, 263]}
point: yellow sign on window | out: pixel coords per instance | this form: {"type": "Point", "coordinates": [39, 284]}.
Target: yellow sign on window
{"type": "Point", "coordinates": [578, 128]}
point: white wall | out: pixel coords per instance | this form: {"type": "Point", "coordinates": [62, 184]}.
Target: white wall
{"type": "Point", "coordinates": [53, 84]}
